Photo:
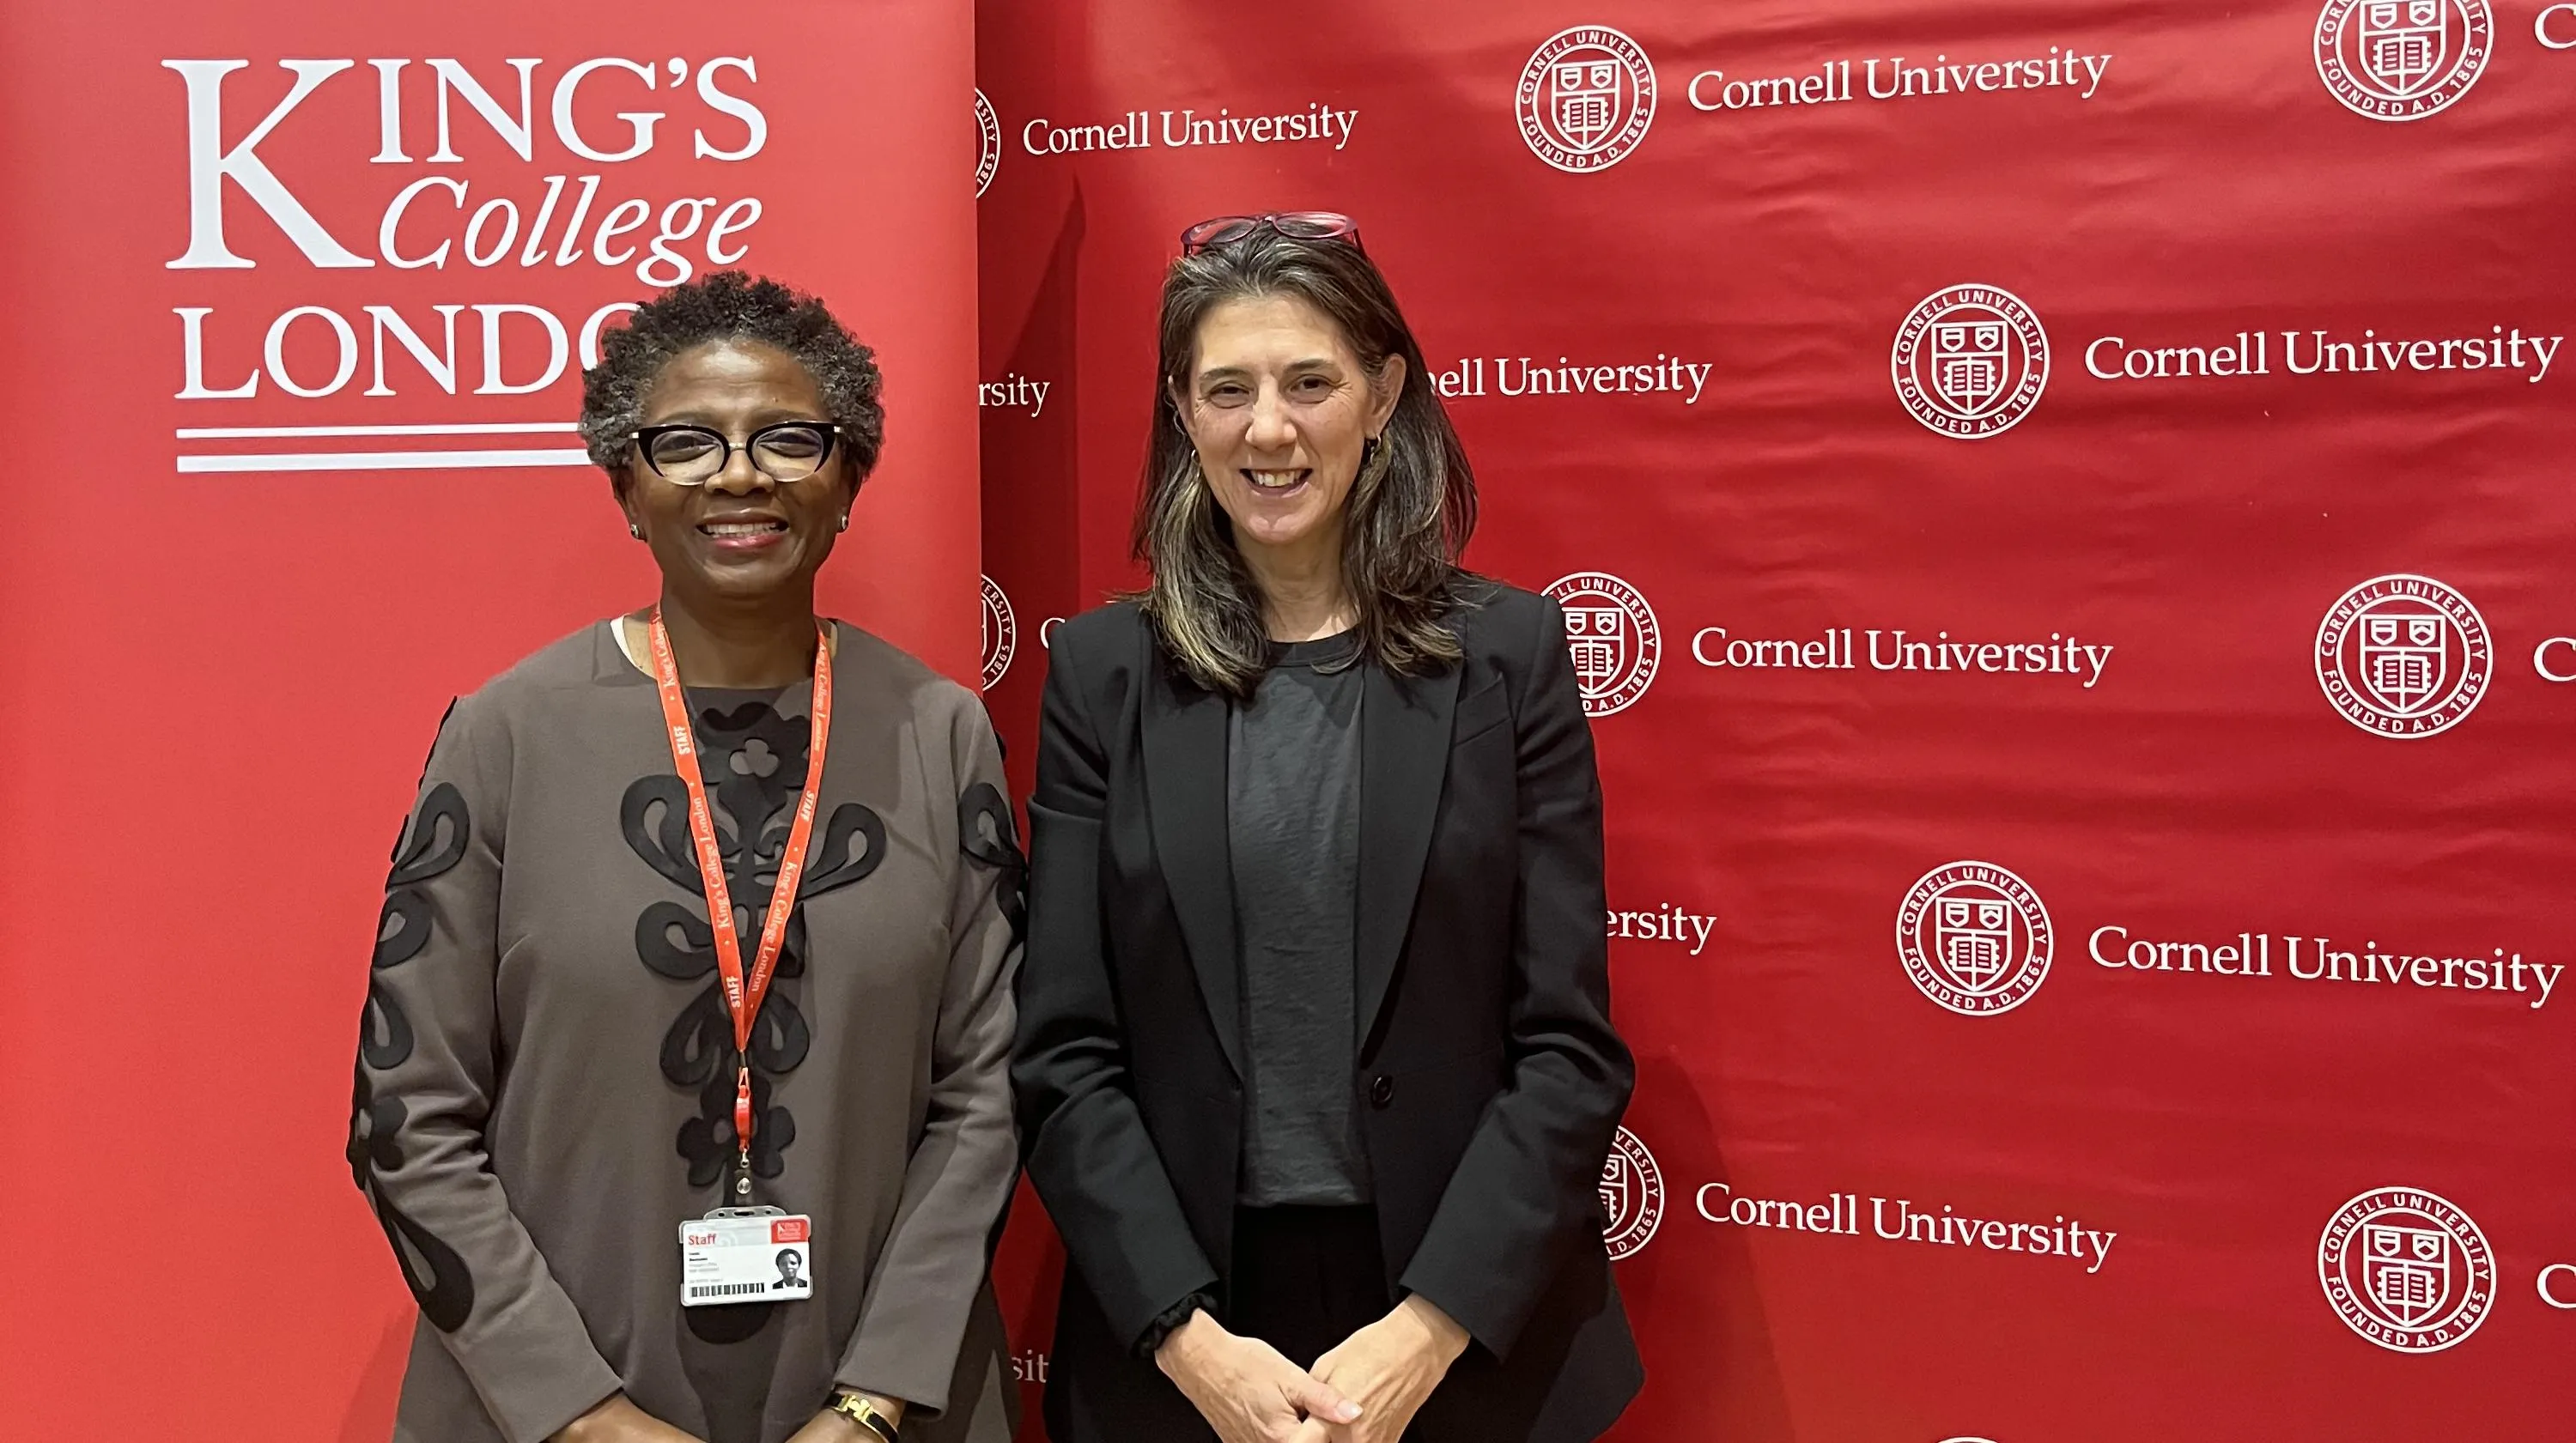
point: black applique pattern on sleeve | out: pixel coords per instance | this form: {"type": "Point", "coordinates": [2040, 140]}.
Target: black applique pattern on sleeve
{"type": "Point", "coordinates": [986, 834]}
{"type": "Point", "coordinates": [431, 844]}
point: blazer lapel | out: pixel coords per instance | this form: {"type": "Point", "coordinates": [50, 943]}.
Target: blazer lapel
{"type": "Point", "coordinates": [1185, 789]}
{"type": "Point", "coordinates": [1404, 760]}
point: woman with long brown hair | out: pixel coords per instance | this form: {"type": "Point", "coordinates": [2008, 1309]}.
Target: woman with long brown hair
{"type": "Point", "coordinates": [1315, 1065]}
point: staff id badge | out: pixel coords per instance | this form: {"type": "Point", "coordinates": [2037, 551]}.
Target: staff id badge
{"type": "Point", "coordinates": [746, 1255]}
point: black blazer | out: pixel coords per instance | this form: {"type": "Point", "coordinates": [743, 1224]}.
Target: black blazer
{"type": "Point", "coordinates": [1490, 1080]}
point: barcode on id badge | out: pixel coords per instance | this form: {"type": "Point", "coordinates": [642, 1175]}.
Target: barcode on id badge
{"type": "Point", "coordinates": [726, 1290]}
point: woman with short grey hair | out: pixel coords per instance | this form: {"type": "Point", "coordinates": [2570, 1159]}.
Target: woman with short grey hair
{"type": "Point", "coordinates": [681, 1089]}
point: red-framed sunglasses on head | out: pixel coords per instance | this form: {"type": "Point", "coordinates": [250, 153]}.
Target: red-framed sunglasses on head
{"type": "Point", "coordinates": [1305, 225]}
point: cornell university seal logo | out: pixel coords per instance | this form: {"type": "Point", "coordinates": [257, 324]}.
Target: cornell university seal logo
{"type": "Point", "coordinates": [1970, 361]}
{"type": "Point", "coordinates": [2404, 656]}
{"type": "Point", "coordinates": [1586, 98]}
{"type": "Point", "coordinates": [1632, 1196]}
{"type": "Point", "coordinates": [1611, 634]}
{"type": "Point", "coordinates": [1974, 938]}
{"type": "Point", "coordinates": [2402, 59]}
{"type": "Point", "coordinates": [1001, 633]}
{"type": "Point", "coordinates": [988, 130]}
{"type": "Point", "coordinates": [2406, 1269]}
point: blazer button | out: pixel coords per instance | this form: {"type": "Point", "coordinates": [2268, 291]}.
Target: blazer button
{"type": "Point", "coordinates": [1382, 1091]}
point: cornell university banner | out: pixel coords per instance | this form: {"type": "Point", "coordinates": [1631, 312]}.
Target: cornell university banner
{"type": "Point", "coordinates": [2063, 521]}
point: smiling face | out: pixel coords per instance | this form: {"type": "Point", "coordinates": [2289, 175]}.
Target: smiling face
{"type": "Point", "coordinates": [741, 537]}
{"type": "Point", "coordinates": [1279, 409]}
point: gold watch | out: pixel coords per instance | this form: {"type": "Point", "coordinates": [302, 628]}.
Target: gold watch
{"type": "Point", "coordinates": [864, 1413]}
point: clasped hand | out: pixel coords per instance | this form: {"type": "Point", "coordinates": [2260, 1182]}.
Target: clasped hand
{"type": "Point", "coordinates": [1364, 1391]}
{"type": "Point", "coordinates": [618, 1420]}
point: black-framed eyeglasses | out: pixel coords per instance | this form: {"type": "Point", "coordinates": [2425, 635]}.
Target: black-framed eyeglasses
{"type": "Point", "coordinates": [695, 455]}
{"type": "Point", "coordinates": [1306, 225]}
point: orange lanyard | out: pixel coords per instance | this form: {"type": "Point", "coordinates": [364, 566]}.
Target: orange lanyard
{"type": "Point", "coordinates": [743, 993]}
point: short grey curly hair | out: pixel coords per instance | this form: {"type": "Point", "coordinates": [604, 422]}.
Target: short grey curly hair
{"type": "Point", "coordinates": [729, 306]}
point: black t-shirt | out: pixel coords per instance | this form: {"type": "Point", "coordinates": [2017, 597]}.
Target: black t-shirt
{"type": "Point", "coordinates": [1293, 828]}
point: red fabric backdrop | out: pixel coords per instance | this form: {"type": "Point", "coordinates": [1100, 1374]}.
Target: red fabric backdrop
{"type": "Point", "coordinates": [2066, 553]}
{"type": "Point", "coordinates": [216, 686]}
{"type": "Point", "coordinates": [1997, 454]}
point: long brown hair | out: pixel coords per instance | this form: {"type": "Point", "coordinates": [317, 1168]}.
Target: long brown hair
{"type": "Point", "coordinates": [1406, 520]}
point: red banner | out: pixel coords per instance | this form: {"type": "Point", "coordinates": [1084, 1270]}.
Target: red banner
{"type": "Point", "coordinates": [300, 298]}
{"type": "Point", "coordinates": [2058, 521]}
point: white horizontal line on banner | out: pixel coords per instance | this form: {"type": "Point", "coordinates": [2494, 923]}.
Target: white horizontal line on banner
{"type": "Point", "coordinates": [383, 460]}
{"type": "Point", "coordinates": [476, 428]}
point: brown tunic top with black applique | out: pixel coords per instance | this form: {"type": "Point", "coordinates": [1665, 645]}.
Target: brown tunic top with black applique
{"type": "Point", "coordinates": [546, 1068]}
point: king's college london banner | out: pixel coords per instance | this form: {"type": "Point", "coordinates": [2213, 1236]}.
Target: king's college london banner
{"type": "Point", "coordinates": [299, 299]}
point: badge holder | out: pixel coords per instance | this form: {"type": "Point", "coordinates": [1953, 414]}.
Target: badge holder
{"type": "Point", "coordinates": [746, 1255]}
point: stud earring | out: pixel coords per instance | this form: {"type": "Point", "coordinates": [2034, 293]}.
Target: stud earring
{"type": "Point", "coordinates": [845, 520]}
{"type": "Point", "coordinates": [635, 529]}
